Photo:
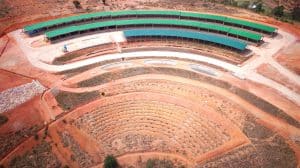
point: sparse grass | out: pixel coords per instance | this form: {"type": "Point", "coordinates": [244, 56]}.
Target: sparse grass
{"type": "Point", "coordinates": [40, 156]}
{"type": "Point", "coordinates": [10, 140]}
{"type": "Point", "coordinates": [78, 154]}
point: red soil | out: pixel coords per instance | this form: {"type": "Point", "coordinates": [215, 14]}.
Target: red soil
{"type": "Point", "coordinates": [270, 72]}
{"type": "Point", "coordinates": [268, 94]}
{"type": "Point", "coordinates": [14, 60]}
{"type": "Point", "coordinates": [290, 57]}
{"type": "Point", "coordinates": [9, 80]}
{"type": "Point", "coordinates": [24, 116]}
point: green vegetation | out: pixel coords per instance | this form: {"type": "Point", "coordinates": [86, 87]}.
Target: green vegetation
{"type": "Point", "coordinates": [278, 11]}
{"type": "Point", "coordinates": [110, 162]}
{"type": "Point", "coordinates": [150, 163]}
{"type": "Point", "coordinates": [3, 119]}
{"type": "Point", "coordinates": [259, 7]}
{"type": "Point", "coordinates": [296, 13]}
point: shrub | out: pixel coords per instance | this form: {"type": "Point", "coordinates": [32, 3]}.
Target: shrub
{"type": "Point", "coordinates": [36, 137]}
{"type": "Point", "coordinates": [278, 11]}
{"type": "Point", "coordinates": [3, 119]}
{"type": "Point", "coordinates": [110, 162]}
{"type": "Point", "coordinates": [244, 4]}
{"type": "Point", "coordinates": [296, 13]}
{"type": "Point", "coordinates": [64, 121]}
{"type": "Point", "coordinates": [77, 4]}
{"type": "Point", "coordinates": [150, 163]}
{"type": "Point", "coordinates": [259, 7]}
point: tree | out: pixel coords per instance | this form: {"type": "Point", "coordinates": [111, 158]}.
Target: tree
{"type": "Point", "coordinates": [296, 13]}
{"type": "Point", "coordinates": [259, 7]}
{"type": "Point", "coordinates": [278, 11]}
{"type": "Point", "coordinates": [77, 4]}
{"type": "Point", "coordinates": [110, 162]}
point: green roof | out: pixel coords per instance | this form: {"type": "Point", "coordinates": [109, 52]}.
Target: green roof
{"type": "Point", "coordinates": [65, 20]}
{"type": "Point", "coordinates": [251, 25]}
{"type": "Point", "coordinates": [168, 22]}
{"type": "Point", "coordinates": [68, 20]}
{"type": "Point", "coordinates": [122, 13]}
{"type": "Point", "coordinates": [203, 16]}
{"type": "Point", "coordinates": [158, 12]}
{"type": "Point", "coordinates": [186, 34]}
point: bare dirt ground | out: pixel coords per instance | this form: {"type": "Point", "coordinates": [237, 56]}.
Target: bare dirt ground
{"type": "Point", "coordinates": [270, 72]}
{"type": "Point", "coordinates": [13, 60]}
{"type": "Point", "coordinates": [290, 57]}
{"type": "Point", "coordinates": [21, 13]}
{"type": "Point", "coordinates": [9, 80]}
{"type": "Point", "coordinates": [23, 122]}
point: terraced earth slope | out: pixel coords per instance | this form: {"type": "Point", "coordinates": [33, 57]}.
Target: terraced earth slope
{"type": "Point", "coordinates": [152, 97]}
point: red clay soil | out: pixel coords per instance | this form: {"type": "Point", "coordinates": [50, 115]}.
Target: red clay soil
{"type": "Point", "coordinates": [21, 13]}
{"type": "Point", "coordinates": [24, 116]}
{"type": "Point", "coordinates": [270, 95]}
{"type": "Point", "coordinates": [14, 60]}
{"type": "Point", "coordinates": [23, 121]}
{"type": "Point", "coordinates": [9, 80]}
{"type": "Point", "coordinates": [271, 73]}
{"type": "Point", "coordinates": [290, 57]}
{"type": "Point", "coordinates": [63, 124]}
{"type": "Point", "coordinates": [3, 43]}
{"type": "Point", "coordinates": [85, 142]}
{"type": "Point", "coordinates": [48, 99]}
